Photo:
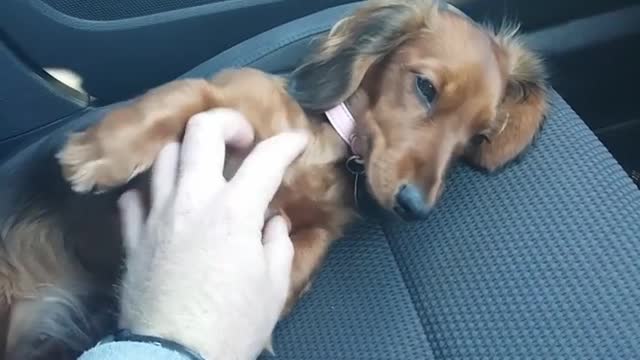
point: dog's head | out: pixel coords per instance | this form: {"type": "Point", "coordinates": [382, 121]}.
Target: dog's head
{"type": "Point", "coordinates": [428, 87]}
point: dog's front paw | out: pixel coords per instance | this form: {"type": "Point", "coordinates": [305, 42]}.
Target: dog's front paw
{"type": "Point", "coordinates": [89, 167]}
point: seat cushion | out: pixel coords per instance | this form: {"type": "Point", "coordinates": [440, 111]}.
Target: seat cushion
{"type": "Point", "coordinates": [359, 307]}
{"type": "Point", "coordinates": [537, 262]}
{"type": "Point", "coordinates": [541, 261]}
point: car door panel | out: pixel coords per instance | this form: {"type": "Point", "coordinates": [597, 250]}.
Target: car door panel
{"type": "Point", "coordinates": [120, 57]}
{"type": "Point", "coordinates": [30, 99]}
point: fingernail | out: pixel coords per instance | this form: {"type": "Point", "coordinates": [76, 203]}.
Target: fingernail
{"type": "Point", "coordinates": [286, 220]}
{"type": "Point", "coordinates": [299, 139]}
{"type": "Point", "coordinates": [303, 134]}
{"type": "Point", "coordinates": [126, 198]}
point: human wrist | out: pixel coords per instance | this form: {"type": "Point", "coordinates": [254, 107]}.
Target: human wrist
{"type": "Point", "coordinates": [130, 350]}
{"type": "Point", "coordinates": [169, 330]}
{"type": "Point", "coordinates": [153, 344]}
{"type": "Point", "coordinates": [208, 343]}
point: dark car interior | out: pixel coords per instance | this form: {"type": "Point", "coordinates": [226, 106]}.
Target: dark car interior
{"type": "Point", "coordinates": [558, 278]}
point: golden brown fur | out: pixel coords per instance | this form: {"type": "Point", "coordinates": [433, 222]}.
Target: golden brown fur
{"type": "Point", "coordinates": [489, 86]}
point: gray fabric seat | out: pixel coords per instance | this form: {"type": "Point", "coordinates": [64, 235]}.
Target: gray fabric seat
{"type": "Point", "coordinates": [540, 261]}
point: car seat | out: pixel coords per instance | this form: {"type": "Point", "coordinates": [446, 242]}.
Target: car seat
{"type": "Point", "coordinates": [539, 261]}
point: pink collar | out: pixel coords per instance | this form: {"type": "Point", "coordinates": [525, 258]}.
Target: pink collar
{"type": "Point", "coordinates": [345, 125]}
{"type": "Point", "coordinates": [343, 122]}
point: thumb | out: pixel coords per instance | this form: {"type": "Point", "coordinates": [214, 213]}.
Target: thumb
{"type": "Point", "coordinates": [278, 252]}
{"type": "Point", "coordinates": [131, 219]}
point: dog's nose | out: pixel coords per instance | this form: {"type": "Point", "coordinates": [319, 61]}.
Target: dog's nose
{"type": "Point", "coordinates": [410, 204]}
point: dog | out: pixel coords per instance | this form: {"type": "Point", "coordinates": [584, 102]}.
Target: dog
{"type": "Point", "coordinates": [393, 96]}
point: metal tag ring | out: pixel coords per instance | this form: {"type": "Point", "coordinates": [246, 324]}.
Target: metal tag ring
{"type": "Point", "coordinates": [355, 165]}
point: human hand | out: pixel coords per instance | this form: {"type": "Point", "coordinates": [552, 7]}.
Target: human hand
{"type": "Point", "coordinates": [205, 270]}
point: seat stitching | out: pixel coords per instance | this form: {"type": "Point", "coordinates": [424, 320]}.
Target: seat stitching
{"type": "Point", "coordinates": [284, 43]}
{"type": "Point", "coordinates": [409, 285]}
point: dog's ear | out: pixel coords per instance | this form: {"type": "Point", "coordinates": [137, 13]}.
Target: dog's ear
{"type": "Point", "coordinates": [341, 60]}
{"type": "Point", "coordinates": [523, 108]}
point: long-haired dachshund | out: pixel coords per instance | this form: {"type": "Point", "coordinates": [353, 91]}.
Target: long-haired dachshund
{"type": "Point", "coordinates": [392, 96]}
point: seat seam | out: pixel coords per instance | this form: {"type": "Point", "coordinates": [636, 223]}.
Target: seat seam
{"type": "Point", "coordinates": [282, 44]}
{"type": "Point", "coordinates": [265, 50]}
{"type": "Point", "coordinates": [407, 281]}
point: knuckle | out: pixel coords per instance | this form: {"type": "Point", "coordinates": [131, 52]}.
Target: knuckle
{"type": "Point", "coordinates": [184, 210]}
{"type": "Point", "coordinates": [235, 208]}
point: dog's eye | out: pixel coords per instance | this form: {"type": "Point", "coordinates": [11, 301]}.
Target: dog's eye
{"type": "Point", "coordinates": [426, 89]}
{"type": "Point", "coordinates": [480, 139]}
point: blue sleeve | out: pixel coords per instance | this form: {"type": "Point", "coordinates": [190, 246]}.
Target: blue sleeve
{"type": "Point", "coordinates": [130, 351]}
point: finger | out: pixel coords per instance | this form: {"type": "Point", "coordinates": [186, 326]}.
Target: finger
{"type": "Point", "coordinates": [261, 173]}
{"type": "Point", "coordinates": [203, 149]}
{"type": "Point", "coordinates": [278, 252]}
{"type": "Point", "coordinates": [131, 219]}
{"type": "Point", "coordinates": [163, 177]}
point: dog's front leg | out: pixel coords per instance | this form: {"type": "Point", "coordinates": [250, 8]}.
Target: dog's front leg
{"type": "Point", "coordinates": [126, 142]}
{"type": "Point", "coordinates": [310, 248]}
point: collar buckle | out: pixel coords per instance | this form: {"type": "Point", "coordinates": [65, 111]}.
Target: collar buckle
{"type": "Point", "coordinates": [355, 165]}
